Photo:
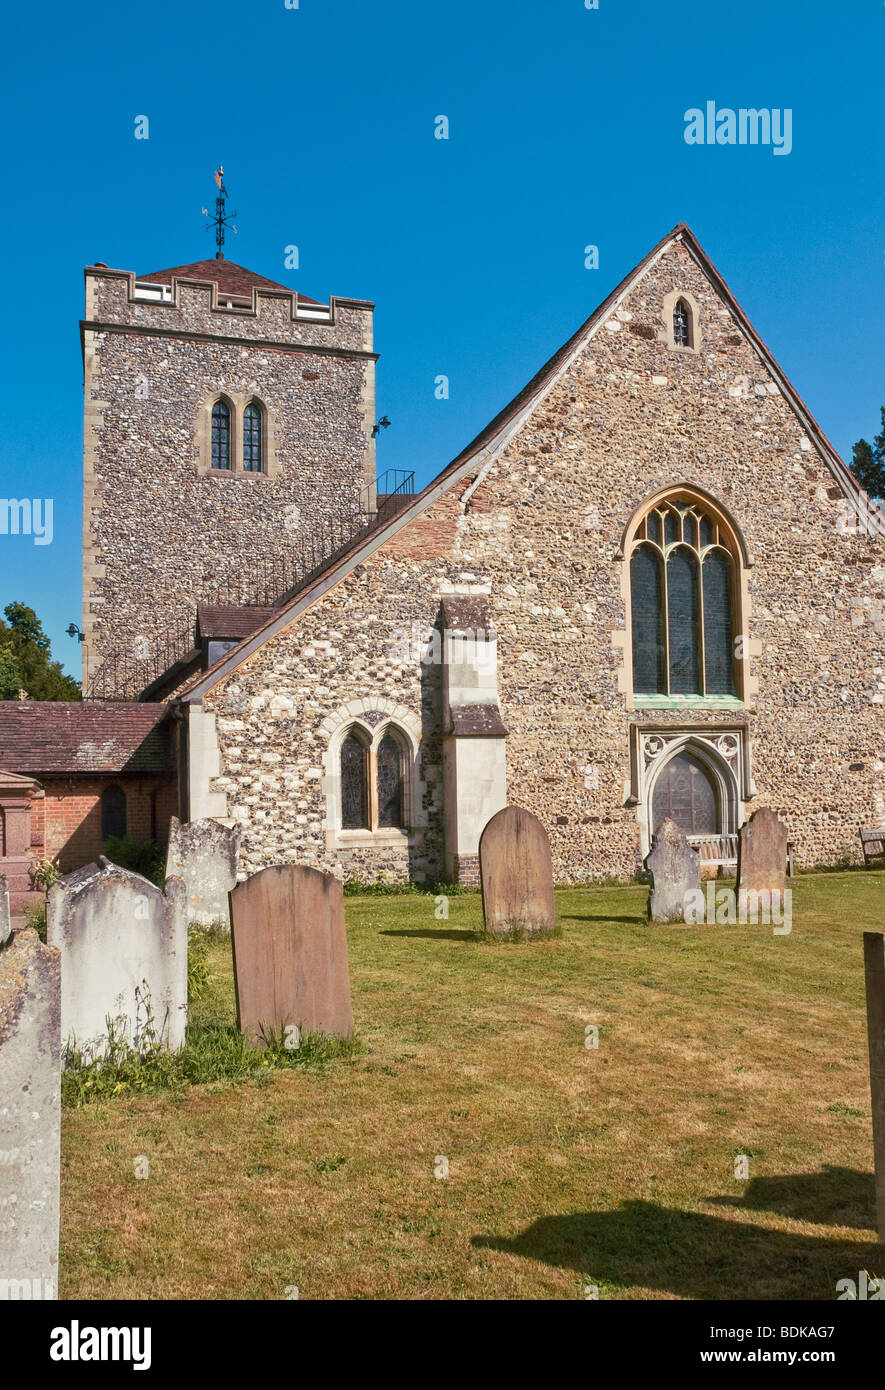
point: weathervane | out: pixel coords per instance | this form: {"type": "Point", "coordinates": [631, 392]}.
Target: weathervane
{"type": "Point", "coordinates": [221, 219]}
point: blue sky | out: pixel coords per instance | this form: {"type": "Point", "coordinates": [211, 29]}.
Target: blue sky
{"type": "Point", "coordinates": [566, 129]}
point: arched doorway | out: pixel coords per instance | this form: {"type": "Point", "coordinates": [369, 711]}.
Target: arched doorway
{"type": "Point", "coordinates": [687, 793]}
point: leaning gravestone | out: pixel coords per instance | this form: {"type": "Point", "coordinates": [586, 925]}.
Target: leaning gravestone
{"type": "Point", "coordinates": [874, 969]}
{"type": "Point", "coordinates": [30, 1112]}
{"type": "Point", "coordinates": [5, 919]}
{"type": "Point", "coordinates": [123, 946]}
{"type": "Point", "coordinates": [290, 954]}
{"type": "Point", "coordinates": [516, 872]}
{"type": "Point", "coordinates": [675, 870]}
{"type": "Point", "coordinates": [762, 856]}
{"type": "Point", "coordinates": [205, 855]}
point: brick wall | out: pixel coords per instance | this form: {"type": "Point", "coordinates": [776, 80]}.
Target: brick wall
{"type": "Point", "coordinates": [72, 812]}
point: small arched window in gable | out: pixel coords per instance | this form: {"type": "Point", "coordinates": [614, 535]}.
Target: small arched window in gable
{"type": "Point", "coordinates": [252, 438]}
{"type": "Point", "coordinates": [354, 783]}
{"type": "Point", "coordinates": [389, 760]}
{"type": "Point", "coordinates": [221, 435]}
{"type": "Point", "coordinates": [113, 813]}
{"type": "Point", "coordinates": [684, 591]}
{"type": "Point", "coordinates": [682, 327]}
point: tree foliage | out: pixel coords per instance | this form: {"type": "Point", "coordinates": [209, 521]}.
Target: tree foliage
{"type": "Point", "coordinates": [26, 660]}
{"type": "Point", "coordinates": [868, 463]}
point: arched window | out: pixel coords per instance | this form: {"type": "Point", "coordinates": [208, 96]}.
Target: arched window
{"type": "Point", "coordinates": [221, 435]}
{"type": "Point", "coordinates": [389, 761]}
{"type": "Point", "coordinates": [113, 813]}
{"type": "Point", "coordinates": [683, 598]}
{"type": "Point", "coordinates": [375, 776]}
{"type": "Point", "coordinates": [252, 444]}
{"type": "Point", "coordinates": [686, 793]}
{"type": "Point", "coordinates": [682, 324]}
{"type": "Point", "coordinates": [354, 783]}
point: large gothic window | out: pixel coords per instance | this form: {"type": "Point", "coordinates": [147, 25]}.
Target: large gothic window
{"type": "Point", "coordinates": [374, 780]}
{"type": "Point", "coordinates": [252, 461]}
{"type": "Point", "coordinates": [683, 595]}
{"type": "Point", "coordinates": [220, 435]}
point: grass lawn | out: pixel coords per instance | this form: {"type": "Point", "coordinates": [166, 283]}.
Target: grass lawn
{"type": "Point", "coordinates": [566, 1166]}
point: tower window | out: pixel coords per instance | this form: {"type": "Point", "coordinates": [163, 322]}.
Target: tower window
{"type": "Point", "coordinates": [220, 435]}
{"type": "Point", "coordinates": [681, 324]}
{"type": "Point", "coordinates": [252, 439]}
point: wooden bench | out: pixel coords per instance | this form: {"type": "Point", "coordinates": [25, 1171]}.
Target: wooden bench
{"type": "Point", "coordinates": [872, 842]}
{"type": "Point", "coordinates": [721, 851]}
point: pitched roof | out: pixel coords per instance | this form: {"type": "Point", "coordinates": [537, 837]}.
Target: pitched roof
{"type": "Point", "coordinates": [481, 452]}
{"type": "Point", "coordinates": [46, 736]}
{"type": "Point", "coordinates": [230, 278]}
{"type": "Point", "coordinates": [227, 621]}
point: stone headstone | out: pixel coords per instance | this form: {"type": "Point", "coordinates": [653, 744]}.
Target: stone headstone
{"type": "Point", "coordinates": [516, 872]}
{"type": "Point", "coordinates": [30, 1112]}
{"type": "Point", "coordinates": [675, 870]}
{"type": "Point", "coordinates": [123, 945]}
{"type": "Point", "coordinates": [205, 854]}
{"type": "Point", "coordinates": [874, 970]}
{"type": "Point", "coordinates": [762, 855]}
{"type": "Point", "coordinates": [5, 919]}
{"type": "Point", "coordinates": [290, 953]}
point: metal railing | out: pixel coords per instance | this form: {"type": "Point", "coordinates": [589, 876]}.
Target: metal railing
{"type": "Point", "coordinates": [164, 658]}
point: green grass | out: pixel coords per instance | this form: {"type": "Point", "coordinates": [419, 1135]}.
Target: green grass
{"type": "Point", "coordinates": [567, 1166]}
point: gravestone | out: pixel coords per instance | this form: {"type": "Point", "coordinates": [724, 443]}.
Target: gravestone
{"type": "Point", "coordinates": [5, 919]}
{"type": "Point", "coordinates": [675, 870]}
{"type": "Point", "coordinates": [516, 872]}
{"type": "Point", "coordinates": [762, 855]}
{"type": "Point", "coordinates": [874, 970]}
{"type": "Point", "coordinates": [290, 953]}
{"type": "Point", "coordinates": [30, 1113]}
{"type": "Point", "coordinates": [205, 855]}
{"type": "Point", "coordinates": [123, 945]}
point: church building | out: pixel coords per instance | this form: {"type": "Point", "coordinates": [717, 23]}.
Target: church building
{"type": "Point", "coordinates": [649, 587]}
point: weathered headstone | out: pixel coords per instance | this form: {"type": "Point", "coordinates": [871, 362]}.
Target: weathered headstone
{"type": "Point", "coordinates": [874, 969]}
{"type": "Point", "coordinates": [123, 946]}
{"type": "Point", "coordinates": [30, 1111]}
{"type": "Point", "coordinates": [516, 872]}
{"type": "Point", "coordinates": [762, 856]}
{"type": "Point", "coordinates": [205, 855]}
{"type": "Point", "coordinates": [675, 870]}
{"type": "Point", "coordinates": [290, 953]}
{"type": "Point", "coordinates": [5, 919]}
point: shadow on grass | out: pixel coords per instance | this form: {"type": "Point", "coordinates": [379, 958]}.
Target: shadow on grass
{"type": "Point", "coordinates": [639, 919]}
{"type": "Point", "coordinates": [690, 1254]}
{"type": "Point", "coordinates": [832, 1197]}
{"type": "Point", "coordinates": [447, 934]}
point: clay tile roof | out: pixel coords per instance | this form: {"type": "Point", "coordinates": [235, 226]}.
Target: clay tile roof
{"type": "Point", "coordinates": [228, 621]}
{"type": "Point", "coordinates": [45, 736]}
{"type": "Point", "coordinates": [230, 278]}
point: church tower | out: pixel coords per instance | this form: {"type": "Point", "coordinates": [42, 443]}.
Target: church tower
{"type": "Point", "coordinates": [227, 432]}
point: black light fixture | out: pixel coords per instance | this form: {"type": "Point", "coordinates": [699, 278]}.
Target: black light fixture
{"type": "Point", "coordinates": [73, 631]}
{"type": "Point", "coordinates": [383, 424]}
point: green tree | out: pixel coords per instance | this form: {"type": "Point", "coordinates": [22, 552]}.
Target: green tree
{"type": "Point", "coordinates": [25, 655]}
{"type": "Point", "coordinates": [868, 463]}
{"type": "Point", "coordinates": [11, 680]}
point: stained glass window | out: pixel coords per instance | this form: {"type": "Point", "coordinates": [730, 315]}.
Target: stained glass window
{"type": "Point", "coordinates": [354, 784]}
{"type": "Point", "coordinates": [681, 325]}
{"type": "Point", "coordinates": [220, 435]}
{"type": "Point", "coordinates": [649, 650]}
{"type": "Point", "coordinates": [684, 792]}
{"type": "Point", "coordinates": [682, 580]}
{"type": "Point", "coordinates": [252, 439]}
{"type": "Point", "coordinates": [390, 782]}
{"type": "Point", "coordinates": [113, 812]}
